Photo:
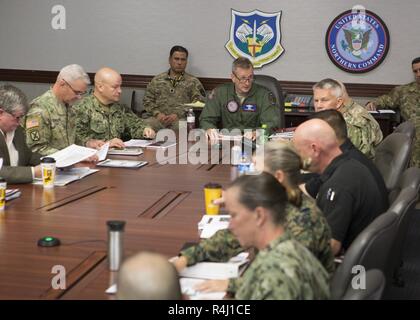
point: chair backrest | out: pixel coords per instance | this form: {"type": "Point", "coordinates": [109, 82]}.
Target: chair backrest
{"type": "Point", "coordinates": [408, 128]}
{"type": "Point", "coordinates": [392, 156]}
{"type": "Point", "coordinates": [273, 85]}
{"type": "Point", "coordinates": [370, 249]}
{"type": "Point", "coordinates": [137, 102]}
{"type": "Point", "coordinates": [403, 206]}
{"type": "Point", "coordinates": [375, 285]}
{"type": "Point", "coordinates": [409, 178]}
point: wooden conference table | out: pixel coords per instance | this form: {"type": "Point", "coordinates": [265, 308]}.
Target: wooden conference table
{"type": "Point", "coordinates": [161, 205]}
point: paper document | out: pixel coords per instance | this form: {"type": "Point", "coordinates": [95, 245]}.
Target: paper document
{"type": "Point", "coordinates": [112, 289]}
{"type": "Point", "coordinates": [210, 224]}
{"type": "Point", "coordinates": [386, 111]}
{"type": "Point", "coordinates": [282, 135]}
{"type": "Point", "coordinates": [64, 177]}
{"type": "Point", "coordinates": [103, 151]}
{"type": "Point", "coordinates": [138, 143]}
{"type": "Point", "coordinates": [131, 151]}
{"type": "Point", "coordinates": [12, 194]}
{"type": "Point", "coordinates": [213, 270]}
{"type": "Point", "coordinates": [1, 163]}
{"type": "Point", "coordinates": [230, 137]}
{"type": "Point", "coordinates": [188, 288]}
{"type": "Point", "coordinates": [121, 163]}
{"type": "Point", "coordinates": [72, 155]}
{"type": "Point", "coordinates": [161, 144]}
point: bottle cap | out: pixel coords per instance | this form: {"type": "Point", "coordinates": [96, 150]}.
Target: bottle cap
{"type": "Point", "coordinates": [115, 225]}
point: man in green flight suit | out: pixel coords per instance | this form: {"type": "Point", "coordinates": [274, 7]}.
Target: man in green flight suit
{"type": "Point", "coordinates": [241, 104]}
{"type": "Point", "coordinates": [100, 116]}
{"type": "Point", "coordinates": [50, 121]}
{"type": "Point", "coordinates": [407, 99]}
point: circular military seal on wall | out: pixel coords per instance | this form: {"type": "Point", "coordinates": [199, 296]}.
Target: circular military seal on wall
{"type": "Point", "coordinates": [357, 41]}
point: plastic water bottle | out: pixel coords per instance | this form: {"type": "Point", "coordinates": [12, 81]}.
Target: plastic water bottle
{"type": "Point", "coordinates": [264, 134]}
{"type": "Point", "coordinates": [190, 120]}
{"type": "Point", "coordinates": [244, 164]}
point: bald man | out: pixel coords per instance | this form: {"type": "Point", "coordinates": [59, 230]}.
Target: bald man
{"type": "Point", "coordinates": [349, 195]}
{"type": "Point", "coordinates": [100, 117]}
{"type": "Point", "coordinates": [148, 276]}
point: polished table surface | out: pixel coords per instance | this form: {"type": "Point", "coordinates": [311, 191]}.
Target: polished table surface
{"type": "Point", "coordinates": [161, 205]}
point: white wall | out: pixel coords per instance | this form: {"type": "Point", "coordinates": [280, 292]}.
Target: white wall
{"type": "Point", "coordinates": [134, 36]}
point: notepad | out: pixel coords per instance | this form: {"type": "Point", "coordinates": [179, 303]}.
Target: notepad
{"type": "Point", "coordinates": [121, 163]}
{"type": "Point", "coordinates": [161, 144]}
{"type": "Point", "coordinates": [131, 151]}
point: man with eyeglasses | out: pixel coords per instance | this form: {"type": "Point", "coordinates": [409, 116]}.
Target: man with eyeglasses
{"type": "Point", "coordinates": [20, 164]}
{"type": "Point", "coordinates": [100, 117]}
{"type": "Point", "coordinates": [50, 122]}
{"type": "Point", "coordinates": [241, 104]}
{"type": "Point", "coordinates": [363, 130]}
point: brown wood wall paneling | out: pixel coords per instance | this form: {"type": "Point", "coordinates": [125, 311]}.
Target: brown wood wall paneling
{"type": "Point", "coordinates": [141, 81]}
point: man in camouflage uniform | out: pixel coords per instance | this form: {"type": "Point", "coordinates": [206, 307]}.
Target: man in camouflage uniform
{"type": "Point", "coordinates": [363, 130]}
{"type": "Point", "coordinates": [101, 118]}
{"type": "Point", "coordinates": [241, 104]}
{"type": "Point", "coordinates": [406, 98]}
{"type": "Point", "coordinates": [281, 263]}
{"type": "Point", "coordinates": [50, 121]}
{"type": "Point", "coordinates": [167, 93]}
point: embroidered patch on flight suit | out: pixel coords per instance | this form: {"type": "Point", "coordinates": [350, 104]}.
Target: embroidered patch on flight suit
{"type": "Point", "coordinates": [32, 122]}
{"type": "Point", "coordinates": [249, 108]}
{"type": "Point", "coordinates": [34, 134]}
{"type": "Point", "coordinates": [232, 106]}
{"type": "Point", "coordinates": [272, 99]}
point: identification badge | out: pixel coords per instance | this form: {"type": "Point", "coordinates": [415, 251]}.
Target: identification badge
{"type": "Point", "coordinates": [232, 106]}
{"type": "Point", "coordinates": [249, 108]}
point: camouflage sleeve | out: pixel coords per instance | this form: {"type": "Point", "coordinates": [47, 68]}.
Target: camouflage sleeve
{"type": "Point", "coordinates": [219, 248]}
{"type": "Point", "coordinates": [365, 137]}
{"type": "Point", "coordinates": [233, 285]}
{"type": "Point", "coordinates": [149, 99]}
{"type": "Point", "coordinates": [38, 131]}
{"type": "Point", "coordinates": [211, 114]}
{"type": "Point", "coordinates": [270, 114]}
{"type": "Point", "coordinates": [390, 100]}
{"type": "Point", "coordinates": [134, 126]}
{"type": "Point", "coordinates": [82, 124]}
{"type": "Point", "coordinates": [198, 93]}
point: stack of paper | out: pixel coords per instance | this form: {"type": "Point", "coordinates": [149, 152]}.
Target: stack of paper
{"type": "Point", "coordinates": [213, 270]}
{"type": "Point", "coordinates": [12, 194]}
{"type": "Point", "coordinates": [138, 143]}
{"type": "Point", "coordinates": [210, 224]}
{"type": "Point", "coordinates": [121, 163]}
{"type": "Point", "coordinates": [282, 135]}
{"type": "Point", "coordinates": [64, 177]}
{"type": "Point", "coordinates": [188, 288]}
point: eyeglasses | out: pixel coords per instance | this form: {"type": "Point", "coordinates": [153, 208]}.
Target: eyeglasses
{"type": "Point", "coordinates": [244, 80]}
{"type": "Point", "coordinates": [77, 93]}
{"type": "Point", "coordinates": [17, 118]}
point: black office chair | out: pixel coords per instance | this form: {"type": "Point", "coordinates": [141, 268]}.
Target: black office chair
{"type": "Point", "coordinates": [375, 285]}
{"type": "Point", "coordinates": [408, 128]}
{"type": "Point", "coordinates": [273, 85]}
{"type": "Point", "coordinates": [392, 156]}
{"type": "Point", "coordinates": [403, 206]}
{"type": "Point", "coordinates": [137, 103]}
{"type": "Point", "coordinates": [370, 249]}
